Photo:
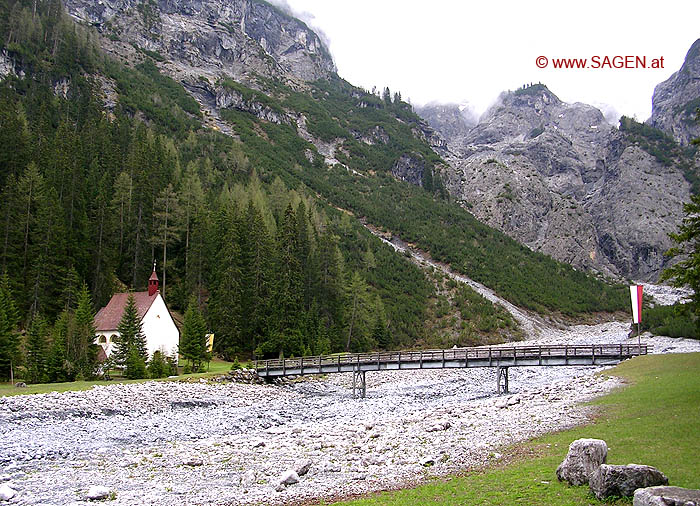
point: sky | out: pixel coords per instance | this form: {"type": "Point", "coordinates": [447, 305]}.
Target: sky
{"type": "Point", "coordinates": [468, 52]}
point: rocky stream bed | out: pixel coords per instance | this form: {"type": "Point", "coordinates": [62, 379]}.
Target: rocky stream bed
{"type": "Point", "coordinates": [166, 443]}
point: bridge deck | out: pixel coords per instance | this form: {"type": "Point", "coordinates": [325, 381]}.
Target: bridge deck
{"type": "Point", "coordinates": [500, 356]}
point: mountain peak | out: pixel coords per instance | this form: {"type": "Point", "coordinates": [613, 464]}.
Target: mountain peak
{"type": "Point", "coordinates": [676, 100]}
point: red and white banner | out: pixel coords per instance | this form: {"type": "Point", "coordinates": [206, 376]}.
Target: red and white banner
{"type": "Point", "coordinates": [636, 294]}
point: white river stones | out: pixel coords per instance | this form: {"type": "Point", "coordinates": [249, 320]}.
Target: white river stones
{"type": "Point", "coordinates": [166, 443]}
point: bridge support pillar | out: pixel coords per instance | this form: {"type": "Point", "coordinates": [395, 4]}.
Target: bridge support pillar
{"type": "Point", "coordinates": [502, 380]}
{"type": "Point", "coordinates": [359, 384]}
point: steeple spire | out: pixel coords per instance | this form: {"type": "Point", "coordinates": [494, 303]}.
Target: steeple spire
{"type": "Point", "coordinates": [153, 281]}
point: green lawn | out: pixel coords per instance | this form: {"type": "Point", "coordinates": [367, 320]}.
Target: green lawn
{"type": "Point", "coordinates": [655, 421]}
{"type": "Point", "coordinates": [216, 367]}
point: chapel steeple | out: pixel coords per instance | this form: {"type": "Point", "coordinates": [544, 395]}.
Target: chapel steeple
{"type": "Point", "coordinates": [153, 282]}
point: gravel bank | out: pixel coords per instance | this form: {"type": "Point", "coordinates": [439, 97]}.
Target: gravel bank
{"type": "Point", "coordinates": [181, 443]}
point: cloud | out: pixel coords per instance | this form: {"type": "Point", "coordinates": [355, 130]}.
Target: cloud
{"type": "Point", "coordinates": [610, 113]}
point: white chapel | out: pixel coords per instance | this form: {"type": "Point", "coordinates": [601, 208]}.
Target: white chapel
{"type": "Point", "coordinates": [157, 323]}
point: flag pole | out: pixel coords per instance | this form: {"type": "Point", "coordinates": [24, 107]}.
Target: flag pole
{"type": "Point", "coordinates": [639, 339]}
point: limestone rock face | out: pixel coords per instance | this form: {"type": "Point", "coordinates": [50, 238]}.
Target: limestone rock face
{"type": "Point", "coordinates": [409, 168]}
{"type": "Point", "coordinates": [676, 99]}
{"type": "Point", "coordinates": [233, 37]}
{"type": "Point", "coordinates": [451, 120]}
{"type": "Point", "coordinates": [610, 480]}
{"type": "Point", "coordinates": [666, 496]}
{"type": "Point", "coordinates": [560, 179]}
{"type": "Point", "coordinates": [585, 456]}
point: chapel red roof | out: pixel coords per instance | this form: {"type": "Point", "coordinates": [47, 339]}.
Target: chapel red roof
{"type": "Point", "coordinates": [108, 317]}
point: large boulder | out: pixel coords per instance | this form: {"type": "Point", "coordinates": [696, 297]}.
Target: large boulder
{"type": "Point", "coordinates": [6, 492]}
{"type": "Point", "coordinates": [98, 493]}
{"type": "Point", "coordinates": [303, 467]}
{"type": "Point", "coordinates": [624, 480]}
{"type": "Point", "coordinates": [289, 477]}
{"type": "Point", "coordinates": [584, 458]}
{"type": "Point", "coordinates": [666, 496]}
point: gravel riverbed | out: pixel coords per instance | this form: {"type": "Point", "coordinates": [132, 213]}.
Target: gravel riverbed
{"type": "Point", "coordinates": [166, 443]}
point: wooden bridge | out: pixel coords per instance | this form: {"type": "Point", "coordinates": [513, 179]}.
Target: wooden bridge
{"type": "Point", "coordinates": [501, 357]}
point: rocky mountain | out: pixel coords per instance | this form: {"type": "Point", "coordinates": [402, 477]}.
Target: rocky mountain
{"type": "Point", "coordinates": [560, 179]}
{"type": "Point", "coordinates": [200, 43]}
{"type": "Point", "coordinates": [237, 38]}
{"type": "Point", "coordinates": [676, 100]}
{"type": "Point", "coordinates": [542, 171]}
{"type": "Point", "coordinates": [453, 121]}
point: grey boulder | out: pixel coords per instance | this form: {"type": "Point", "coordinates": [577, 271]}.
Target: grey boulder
{"type": "Point", "coordinates": [584, 458]}
{"type": "Point", "coordinates": [6, 492]}
{"type": "Point", "coordinates": [289, 477]}
{"type": "Point", "coordinates": [666, 496]}
{"type": "Point", "coordinates": [610, 480]}
{"type": "Point", "coordinates": [97, 493]}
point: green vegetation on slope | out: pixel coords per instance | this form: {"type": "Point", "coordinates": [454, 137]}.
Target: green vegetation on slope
{"type": "Point", "coordinates": [653, 421]}
{"type": "Point", "coordinates": [96, 197]}
{"type": "Point", "coordinates": [87, 197]}
{"type": "Point", "coordinates": [673, 321]}
{"type": "Point", "coordinates": [460, 316]}
{"type": "Point", "coordinates": [448, 232]}
{"type": "Point", "coordinates": [662, 147]}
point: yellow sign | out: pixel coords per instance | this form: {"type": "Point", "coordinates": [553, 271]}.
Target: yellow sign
{"type": "Point", "coordinates": [210, 342]}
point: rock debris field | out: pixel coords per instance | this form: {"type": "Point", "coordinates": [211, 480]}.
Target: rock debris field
{"type": "Point", "coordinates": [166, 443]}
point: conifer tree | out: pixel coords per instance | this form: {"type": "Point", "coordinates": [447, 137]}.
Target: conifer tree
{"type": "Point", "coordinates": [37, 350]}
{"type": "Point", "coordinates": [135, 366]}
{"type": "Point", "coordinates": [58, 368]}
{"type": "Point", "coordinates": [687, 240]}
{"type": "Point", "coordinates": [380, 334]}
{"type": "Point", "coordinates": [158, 366]}
{"type": "Point", "coordinates": [168, 218]}
{"type": "Point", "coordinates": [85, 349]}
{"type": "Point", "coordinates": [224, 303]}
{"type": "Point", "coordinates": [193, 341]}
{"type": "Point", "coordinates": [358, 311]}
{"type": "Point", "coordinates": [9, 337]}
{"type": "Point", "coordinates": [131, 336]}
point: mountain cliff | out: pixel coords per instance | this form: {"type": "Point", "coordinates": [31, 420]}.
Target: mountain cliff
{"type": "Point", "coordinates": [453, 121]}
{"type": "Point", "coordinates": [209, 38]}
{"type": "Point", "coordinates": [676, 100]}
{"type": "Point", "coordinates": [560, 179]}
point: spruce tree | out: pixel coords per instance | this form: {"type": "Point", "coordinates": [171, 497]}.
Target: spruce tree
{"type": "Point", "coordinates": [86, 350]}
{"type": "Point", "coordinates": [358, 311]}
{"type": "Point", "coordinates": [58, 368]}
{"type": "Point", "coordinates": [37, 350]}
{"type": "Point", "coordinates": [158, 367]}
{"type": "Point", "coordinates": [193, 342]}
{"type": "Point", "coordinates": [131, 335]}
{"type": "Point", "coordinates": [9, 337]}
{"type": "Point", "coordinates": [686, 273]}
{"type": "Point", "coordinates": [135, 366]}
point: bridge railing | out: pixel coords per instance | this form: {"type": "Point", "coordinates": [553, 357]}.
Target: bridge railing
{"type": "Point", "coordinates": [493, 353]}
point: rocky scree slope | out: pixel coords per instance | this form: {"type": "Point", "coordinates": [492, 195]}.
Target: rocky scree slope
{"type": "Point", "coordinates": [676, 100]}
{"type": "Point", "coordinates": [560, 179]}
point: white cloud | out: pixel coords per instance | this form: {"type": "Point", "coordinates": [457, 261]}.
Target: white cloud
{"type": "Point", "coordinates": [458, 52]}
